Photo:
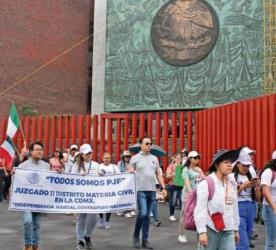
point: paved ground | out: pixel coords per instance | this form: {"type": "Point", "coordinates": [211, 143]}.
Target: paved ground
{"type": "Point", "coordinates": [58, 233]}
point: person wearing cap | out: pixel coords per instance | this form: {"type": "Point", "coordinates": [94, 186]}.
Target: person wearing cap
{"type": "Point", "coordinates": [184, 155]}
{"type": "Point", "coordinates": [217, 219]}
{"type": "Point", "coordinates": [146, 166]}
{"type": "Point", "coordinates": [56, 162]}
{"type": "Point", "coordinates": [252, 170]}
{"type": "Point", "coordinates": [85, 222]}
{"type": "Point", "coordinates": [122, 165]}
{"type": "Point", "coordinates": [248, 193]}
{"type": "Point", "coordinates": [191, 174]}
{"type": "Point", "coordinates": [71, 156]}
{"type": "Point", "coordinates": [268, 188]}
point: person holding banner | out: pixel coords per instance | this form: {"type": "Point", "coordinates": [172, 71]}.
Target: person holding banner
{"type": "Point", "coordinates": [31, 220]}
{"type": "Point", "coordinates": [107, 168]}
{"type": "Point", "coordinates": [146, 167]}
{"type": "Point", "coordinates": [85, 223]}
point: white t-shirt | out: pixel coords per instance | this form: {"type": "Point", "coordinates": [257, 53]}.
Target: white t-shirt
{"type": "Point", "coordinates": [90, 167]}
{"type": "Point", "coordinates": [266, 180]}
{"type": "Point", "coordinates": [109, 169]}
{"type": "Point", "coordinates": [245, 194]}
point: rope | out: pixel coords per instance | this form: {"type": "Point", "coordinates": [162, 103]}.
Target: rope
{"type": "Point", "coordinates": [44, 65]}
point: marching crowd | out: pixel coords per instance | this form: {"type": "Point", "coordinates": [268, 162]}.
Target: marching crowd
{"type": "Point", "coordinates": [220, 205]}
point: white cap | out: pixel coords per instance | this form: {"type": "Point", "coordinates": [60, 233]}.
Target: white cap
{"type": "Point", "coordinates": [247, 150]}
{"type": "Point", "coordinates": [274, 155]}
{"type": "Point", "coordinates": [244, 159]}
{"type": "Point", "coordinates": [193, 154]}
{"type": "Point", "coordinates": [74, 146]}
{"type": "Point", "coordinates": [85, 149]}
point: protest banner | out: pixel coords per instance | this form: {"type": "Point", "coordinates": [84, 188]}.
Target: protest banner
{"type": "Point", "coordinates": [50, 192]}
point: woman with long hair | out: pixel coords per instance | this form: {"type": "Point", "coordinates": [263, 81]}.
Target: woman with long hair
{"type": "Point", "coordinates": [56, 162]}
{"type": "Point", "coordinates": [248, 193]}
{"type": "Point", "coordinates": [175, 182]}
{"type": "Point", "coordinates": [268, 188]}
{"type": "Point", "coordinates": [191, 174]}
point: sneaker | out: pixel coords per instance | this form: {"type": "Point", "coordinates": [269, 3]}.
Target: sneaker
{"type": "Point", "coordinates": [158, 223]}
{"type": "Point", "coordinates": [101, 223]}
{"type": "Point", "coordinates": [147, 245]}
{"type": "Point", "coordinates": [119, 213]}
{"type": "Point", "coordinates": [136, 242]}
{"type": "Point", "coordinates": [88, 243]}
{"type": "Point", "coordinates": [107, 226]}
{"type": "Point", "coordinates": [172, 218]}
{"type": "Point", "coordinates": [182, 238]}
{"type": "Point", "coordinates": [81, 246]}
{"type": "Point", "coordinates": [151, 214]}
{"type": "Point", "coordinates": [128, 215]}
{"type": "Point", "coordinates": [133, 213]}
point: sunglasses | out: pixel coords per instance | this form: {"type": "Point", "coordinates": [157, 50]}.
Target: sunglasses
{"type": "Point", "coordinates": [148, 143]}
{"type": "Point", "coordinates": [196, 158]}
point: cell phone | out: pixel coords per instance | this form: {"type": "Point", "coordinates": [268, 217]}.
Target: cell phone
{"type": "Point", "coordinates": [254, 179]}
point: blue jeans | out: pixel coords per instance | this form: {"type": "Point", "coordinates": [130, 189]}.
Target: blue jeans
{"type": "Point", "coordinates": [145, 201]}
{"type": "Point", "coordinates": [175, 193]}
{"type": "Point", "coordinates": [155, 211]}
{"type": "Point", "coordinates": [269, 219]}
{"type": "Point", "coordinates": [247, 215]}
{"type": "Point", "coordinates": [223, 240]}
{"type": "Point", "coordinates": [31, 226]}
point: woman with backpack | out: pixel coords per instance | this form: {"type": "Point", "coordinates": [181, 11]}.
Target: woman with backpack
{"type": "Point", "coordinates": [175, 184]}
{"type": "Point", "coordinates": [216, 212]}
{"type": "Point", "coordinates": [248, 193]}
{"type": "Point", "coordinates": [268, 187]}
{"type": "Point", "coordinates": [191, 174]}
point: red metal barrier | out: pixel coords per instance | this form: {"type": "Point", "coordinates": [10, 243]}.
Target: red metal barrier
{"type": "Point", "coordinates": [249, 122]}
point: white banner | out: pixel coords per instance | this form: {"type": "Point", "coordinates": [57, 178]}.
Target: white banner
{"type": "Point", "coordinates": [42, 191]}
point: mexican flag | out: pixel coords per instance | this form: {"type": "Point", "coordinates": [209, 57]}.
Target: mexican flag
{"type": "Point", "coordinates": [7, 149]}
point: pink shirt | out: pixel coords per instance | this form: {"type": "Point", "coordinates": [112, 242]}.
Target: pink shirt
{"type": "Point", "coordinates": [170, 171]}
{"type": "Point", "coordinates": [55, 164]}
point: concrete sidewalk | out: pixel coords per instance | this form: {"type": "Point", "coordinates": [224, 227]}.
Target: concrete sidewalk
{"type": "Point", "coordinates": [58, 233]}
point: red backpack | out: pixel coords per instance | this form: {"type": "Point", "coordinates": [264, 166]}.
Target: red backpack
{"type": "Point", "coordinates": [189, 221]}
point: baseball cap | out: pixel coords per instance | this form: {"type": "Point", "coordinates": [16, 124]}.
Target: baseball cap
{"type": "Point", "coordinates": [247, 150]}
{"type": "Point", "coordinates": [74, 146]}
{"type": "Point", "coordinates": [193, 154]}
{"type": "Point", "coordinates": [126, 153]}
{"type": "Point", "coordinates": [85, 149]}
{"type": "Point", "coordinates": [274, 155]}
{"type": "Point", "coordinates": [244, 159]}
{"type": "Point", "coordinates": [184, 150]}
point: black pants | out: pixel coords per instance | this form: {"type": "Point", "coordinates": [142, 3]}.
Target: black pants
{"type": "Point", "coordinates": [2, 174]}
{"type": "Point", "coordinates": [7, 185]}
{"type": "Point", "coordinates": [107, 216]}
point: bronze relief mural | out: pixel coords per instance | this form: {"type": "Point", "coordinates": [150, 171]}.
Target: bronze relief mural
{"type": "Point", "coordinates": [184, 32]}
{"type": "Point", "coordinates": [144, 72]}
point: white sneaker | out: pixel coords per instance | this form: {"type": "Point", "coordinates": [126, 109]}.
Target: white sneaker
{"type": "Point", "coordinates": [182, 238]}
{"type": "Point", "coordinates": [133, 213]}
{"type": "Point", "coordinates": [107, 226]}
{"type": "Point", "coordinates": [172, 218]}
{"type": "Point", "coordinates": [128, 215]}
{"type": "Point", "coordinates": [119, 213]}
{"type": "Point", "coordinates": [102, 223]}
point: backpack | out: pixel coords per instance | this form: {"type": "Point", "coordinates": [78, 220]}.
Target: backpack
{"type": "Point", "coordinates": [189, 221]}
